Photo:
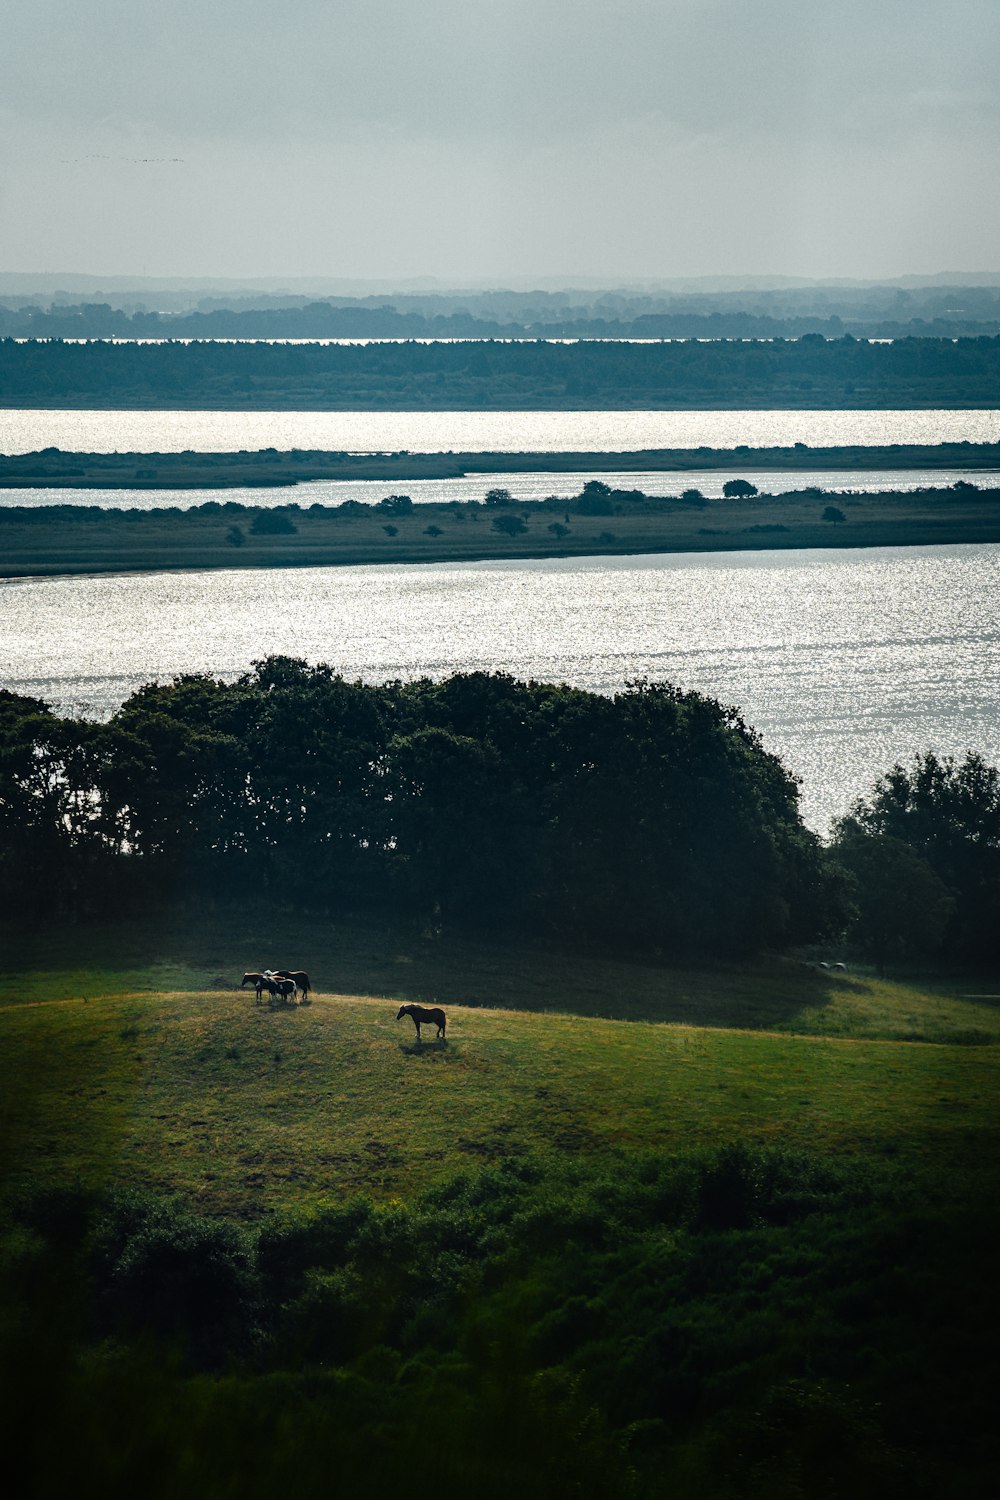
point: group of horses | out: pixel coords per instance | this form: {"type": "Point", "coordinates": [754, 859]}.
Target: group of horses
{"type": "Point", "coordinates": [280, 984]}
{"type": "Point", "coordinates": [288, 984]}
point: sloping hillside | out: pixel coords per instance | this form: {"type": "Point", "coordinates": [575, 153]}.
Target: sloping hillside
{"type": "Point", "coordinates": [245, 1108]}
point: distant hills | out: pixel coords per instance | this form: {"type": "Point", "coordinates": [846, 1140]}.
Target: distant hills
{"type": "Point", "coordinates": [357, 320]}
{"type": "Point", "coordinates": [54, 283]}
{"type": "Point", "coordinates": [948, 304]}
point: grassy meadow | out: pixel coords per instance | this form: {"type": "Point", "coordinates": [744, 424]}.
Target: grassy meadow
{"type": "Point", "coordinates": [633, 1229]}
{"type": "Point", "coordinates": [245, 1109]}
{"type": "Point", "coordinates": [157, 1069]}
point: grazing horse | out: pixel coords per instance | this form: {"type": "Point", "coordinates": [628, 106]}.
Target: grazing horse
{"type": "Point", "coordinates": [259, 982]}
{"type": "Point", "coordinates": [421, 1016]}
{"type": "Point", "coordinates": [299, 975]}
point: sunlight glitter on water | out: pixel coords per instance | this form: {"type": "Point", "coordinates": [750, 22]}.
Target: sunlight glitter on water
{"type": "Point", "coordinates": [158, 431]}
{"type": "Point", "coordinates": [843, 660]}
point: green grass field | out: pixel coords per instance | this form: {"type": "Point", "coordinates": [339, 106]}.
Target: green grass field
{"type": "Point", "coordinates": [634, 1230]}
{"type": "Point", "coordinates": [181, 949]}
{"type": "Point", "coordinates": [158, 1070]}
{"type": "Point", "coordinates": [245, 1108]}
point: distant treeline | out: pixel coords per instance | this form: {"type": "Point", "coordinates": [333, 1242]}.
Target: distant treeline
{"type": "Point", "coordinates": [268, 466]}
{"type": "Point", "coordinates": [653, 819]}
{"type": "Point", "coordinates": [323, 320]}
{"type": "Point", "coordinates": [809, 372]}
{"type": "Point", "coordinates": [746, 312]}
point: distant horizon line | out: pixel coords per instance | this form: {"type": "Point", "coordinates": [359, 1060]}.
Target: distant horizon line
{"type": "Point", "coordinates": [21, 282]}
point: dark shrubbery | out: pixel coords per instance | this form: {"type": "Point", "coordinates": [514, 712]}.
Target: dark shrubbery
{"type": "Point", "coordinates": [163, 1269]}
{"type": "Point", "coordinates": [510, 525]}
{"type": "Point", "coordinates": [272, 523]}
{"type": "Point", "coordinates": [594, 500]}
{"type": "Point", "coordinates": [649, 1326]}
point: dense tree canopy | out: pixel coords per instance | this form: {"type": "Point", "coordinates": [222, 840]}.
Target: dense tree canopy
{"type": "Point", "coordinates": [654, 818]}
{"type": "Point", "coordinates": [945, 815]}
{"type": "Point", "coordinates": [494, 374]}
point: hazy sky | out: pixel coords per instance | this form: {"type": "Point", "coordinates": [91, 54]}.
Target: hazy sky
{"type": "Point", "coordinates": [493, 139]}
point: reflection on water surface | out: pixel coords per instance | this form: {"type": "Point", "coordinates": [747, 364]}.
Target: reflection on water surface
{"type": "Point", "coordinates": [844, 660]}
{"type": "Point", "coordinates": [28, 431]}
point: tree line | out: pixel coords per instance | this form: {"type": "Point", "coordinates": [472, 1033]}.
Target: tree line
{"type": "Point", "coordinates": [923, 854]}
{"type": "Point", "coordinates": [326, 320]}
{"type": "Point", "coordinates": [808, 372]}
{"type": "Point", "coordinates": [651, 820]}
{"type": "Point", "coordinates": [697, 311]}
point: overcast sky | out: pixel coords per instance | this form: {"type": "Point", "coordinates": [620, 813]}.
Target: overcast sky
{"type": "Point", "coordinates": [500, 139]}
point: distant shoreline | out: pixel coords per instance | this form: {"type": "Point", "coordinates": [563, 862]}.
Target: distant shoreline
{"type": "Point", "coordinates": [277, 402]}
{"type": "Point", "coordinates": [67, 540]}
{"type": "Point", "coordinates": [841, 374]}
{"type": "Point", "coordinates": [54, 468]}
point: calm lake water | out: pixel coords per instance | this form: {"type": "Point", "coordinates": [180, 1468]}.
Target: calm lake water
{"type": "Point", "coordinates": [844, 660]}
{"type": "Point", "coordinates": [28, 431]}
{"type": "Point", "coordinates": [529, 486]}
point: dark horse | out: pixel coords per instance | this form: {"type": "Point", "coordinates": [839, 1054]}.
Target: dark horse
{"type": "Point", "coordinates": [421, 1016]}
{"type": "Point", "coordinates": [276, 985]}
{"type": "Point", "coordinates": [300, 977]}
{"type": "Point", "coordinates": [281, 989]}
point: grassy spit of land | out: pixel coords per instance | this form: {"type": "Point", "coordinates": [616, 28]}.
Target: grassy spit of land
{"type": "Point", "coordinates": [58, 469]}
{"type": "Point", "coordinates": [46, 540]}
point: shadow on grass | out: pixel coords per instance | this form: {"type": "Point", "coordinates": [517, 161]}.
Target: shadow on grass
{"type": "Point", "coordinates": [183, 948]}
{"type": "Point", "coordinates": [424, 1049]}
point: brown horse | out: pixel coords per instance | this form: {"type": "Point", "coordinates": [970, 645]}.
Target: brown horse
{"type": "Point", "coordinates": [421, 1016]}
{"type": "Point", "coordinates": [259, 982]}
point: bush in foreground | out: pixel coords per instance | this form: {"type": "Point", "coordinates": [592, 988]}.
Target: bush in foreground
{"type": "Point", "coordinates": [721, 1324]}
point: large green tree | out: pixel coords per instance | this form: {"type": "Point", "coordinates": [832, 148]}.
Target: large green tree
{"type": "Point", "coordinates": [902, 909]}
{"type": "Point", "coordinates": [947, 810]}
{"type": "Point", "coordinates": [654, 819]}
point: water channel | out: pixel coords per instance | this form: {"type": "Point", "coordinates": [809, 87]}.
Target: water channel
{"type": "Point", "coordinates": [158, 431]}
